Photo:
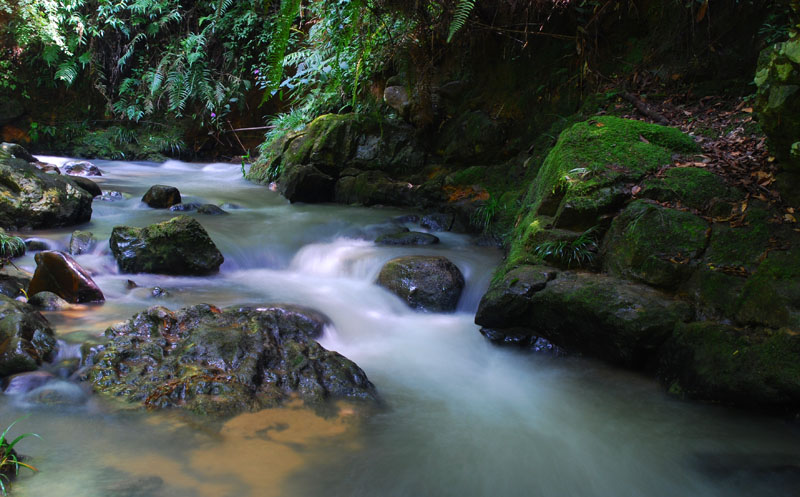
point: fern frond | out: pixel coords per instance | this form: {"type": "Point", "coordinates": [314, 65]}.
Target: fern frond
{"type": "Point", "coordinates": [460, 16]}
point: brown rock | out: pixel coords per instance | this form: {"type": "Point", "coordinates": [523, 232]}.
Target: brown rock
{"type": "Point", "coordinates": [57, 272]}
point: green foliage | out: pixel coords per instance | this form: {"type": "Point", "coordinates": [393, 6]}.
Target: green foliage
{"type": "Point", "coordinates": [10, 246]}
{"type": "Point", "coordinates": [9, 461]}
{"type": "Point", "coordinates": [580, 252]}
{"type": "Point", "coordinates": [460, 16]}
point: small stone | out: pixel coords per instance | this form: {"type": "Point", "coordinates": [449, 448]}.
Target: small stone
{"type": "Point", "coordinates": [81, 168]}
{"type": "Point", "coordinates": [81, 242]}
{"type": "Point", "coordinates": [162, 196]}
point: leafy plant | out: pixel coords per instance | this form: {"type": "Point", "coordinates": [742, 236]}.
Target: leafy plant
{"type": "Point", "coordinates": [483, 216]}
{"type": "Point", "coordinates": [580, 252]}
{"type": "Point", "coordinates": [11, 246]}
{"type": "Point", "coordinates": [460, 16]}
{"type": "Point", "coordinates": [9, 461]}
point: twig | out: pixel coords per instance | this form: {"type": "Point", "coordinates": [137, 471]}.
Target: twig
{"type": "Point", "coordinates": [644, 108]}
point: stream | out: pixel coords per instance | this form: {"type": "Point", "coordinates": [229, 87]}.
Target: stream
{"type": "Point", "coordinates": [462, 417]}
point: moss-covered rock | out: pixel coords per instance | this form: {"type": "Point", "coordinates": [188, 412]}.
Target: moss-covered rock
{"type": "Point", "coordinates": [771, 296]}
{"type": "Point", "coordinates": [307, 164]}
{"type": "Point", "coordinates": [692, 187]}
{"type": "Point", "coordinates": [711, 361]}
{"type": "Point", "coordinates": [778, 100]}
{"type": "Point", "coordinates": [428, 283]}
{"type": "Point", "coordinates": [26, 339]}
{"type": "Point", "coordinates": [223, 362]}
{"type": "Point", "coordinates": [178, 246]}
{"type": "Point", "coordinates": [469, 137]}
{"type": "Point", "coordinates": [653, 244]}
{"type": "Point", "coordinates": [30, 198]}
{"type": "Point", "coordinates": [599, 315]}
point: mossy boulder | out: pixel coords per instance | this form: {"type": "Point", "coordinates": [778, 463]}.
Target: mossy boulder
{"type": "Point", "coordinates": [427, 283]}
{"type": "Point", "coordinates": [30, 198]}
{"type": "Point", "coordinates": [26, 339]}
{"type": "Point", "coordinates": [778, 100]}
{"type": "Point", "coordinates": [470, 137]}
{"type": "Point", "coordinates": [81, 242]}
{"type": "Point", "coordinates": [716, 362]}
{"type": "Point", "coordinates": [372, 188]}
{"type": "Point", "coordinates": [179, 246]}
{"type": "Point", "coordinates": [587, 173]}
{"type": "Point", "coordinates": [692, 187]}
{"type": "Point", "coordinates": [599, 315]}
{"type": "Point", "coordinates": [655, 245]}
{"type": "Point", "coordinates": [307, 164]}
{"type": "Point", "coordinates": [771, 296]}
{"type": "Point", "coordinates": [223, 362]}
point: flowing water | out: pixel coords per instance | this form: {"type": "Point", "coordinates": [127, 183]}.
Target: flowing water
{"type": "Point", "coordinates": [463, 417]}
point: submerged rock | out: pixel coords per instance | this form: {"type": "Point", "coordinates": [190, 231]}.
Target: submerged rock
{"type": "Point", "coordinates": [438, 221]}
{"type": "Point", "coordinates": [409, 238]}
{"type": "Point", "coordinates": [179, 246]}
{"type": "Point", "coordinates": [223, 362]}
{"type": "Point", "coordinates": [429, 283]}
{"type": "Point", "coordinates": [13, 281]}
{"type": "Point", "coordinates": [57, 272]}
{"type": "Point", "coordinates": [48, 301]}
{"type": "Point", "coordinates": [162, 196]}
{"type": "Point", "coordinates": [30, 198]}
{"type": "Point", "coordinates": [26, 339]}
{"type": "Point", "coordinates": [210, 210]}
{"type": "Point", "coordinates": [81, 168]}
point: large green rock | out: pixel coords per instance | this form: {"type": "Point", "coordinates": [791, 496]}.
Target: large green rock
{"type": "Point", "coordinates": [599, 315]}
{"type": "Point", "coordinates": [179, 246]}
{"type": "Point", "coordinates": [692, 187]}
{"type": "Point", "coordinates": [30, 198]}
{"type": "Point", "coordinates": [771, 296]}
{"type": "Point", "coordinates": [428, 283]}
{"type": "Point", "coordinates": [778, 101]}
{"type": "Point", "coordinates": [26, 339]}
{"type": "Point", "coordinates": [711, 361]}
{"type": "Point", "coordinates": [655, 245]}
{"type": "Point", "coordinates": [223, 362]}
{"type": "Point", "coordinates": [307, 164]}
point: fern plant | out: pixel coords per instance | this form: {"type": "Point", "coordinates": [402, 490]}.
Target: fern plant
{"type": "Point", "coordinates": [9, 460]}
{"type": "Point", "coordinates": [580, 252]}
{"type": "Point", "coordinates": [11, 246]}
{"type": "Point", "coordinates": [463, 9]}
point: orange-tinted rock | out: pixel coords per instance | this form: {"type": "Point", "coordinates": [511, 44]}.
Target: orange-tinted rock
{"type": "Point", "coordinates": [57, 272]}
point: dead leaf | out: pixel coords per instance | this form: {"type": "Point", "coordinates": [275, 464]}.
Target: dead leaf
{"type": "Point", "coordinates": [748, 110]}
{"type": "Point", "coordinates": [635, 190]}
{"type": "Point", "coordinates": [790, 218]}
{"type": "Point", "coordinates": [642, 138]}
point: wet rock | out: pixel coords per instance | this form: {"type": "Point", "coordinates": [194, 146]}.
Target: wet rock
{"type": "Point", "coordinates": [30, 198]}
{"type": "Point", "coordinates": [373, 231]}
{"type": "Point", "coordinates": [37, 244]}
{"type": "Point", "coordinates": [179, 246]}
{"type": "Point", "coordinates": [13, 150]}
{"type": "Point", "coordinates": [372, 188]}
{"type": "Point", "coordinates": [112, 196]}
{"type": "Point", "coordinates": [57, 272]}
{"type": "Point", "coordinates": [22, 383]}
{"type": "Point", "coordinates": [428, 283]}
{"type": "Point", "coordinates": [306, 183]}
{"type": "Point", "coordinates": [159, 292]}
{"type": "Point", "coordinates": [88, 185]}
{"type": "Point", "coordinates": [599, 315]}
{"type": "Point", "coordinates": [409, 238]}
{"type": "Point", "coordinates": [162, 196]}
{"type": "Point", "coordinates": [191, 206]}
{"type": "Point", "coordinates": [397, 98]}
{"type": "Point", "coordinates": [47, 168]}
{"type": "Point", "coordinates": [57, 393]}
{"type": "Point", "coordinates": [231, 207]}
{"type": "Point", "coordinates": [26, 339]}
{"type": "Point", "coordinates": [81, 168]}
{"type": "Point", "coordinates": [408, 218]}
{"type": "Point", "coordinates": [81, 242]}
{"type": "Point", "coordinates": [223, 362]}
{"type": "Point", "coordinates": [48, 301]}
{"type": "Point", "coordinates": [713, 361]}
{"type": "Point", "coordinates": [13, 281]}
{"type": "Point", "coordinates": [437, 221]}
{"type": "Point", "coordinates": [210, 210]}
{"type": "Point", "coordinates": [130, 284]}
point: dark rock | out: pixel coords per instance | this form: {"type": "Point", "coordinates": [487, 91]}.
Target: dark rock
{"type": "Point", "coordinates": [30, 198]}
{"type": "Point", "coordinates": [428, 283]}
{"type": "Point", "coordinates": [23, 383]}
{"type": "Point", "coordinates": [112, 196]}
{"type": "Point", "coordinates": [81, 242]}
{"type": "Point", "coordinates": [595, 314]}
{"type": "Point", "coordinates": [222, 362]}
{"type": "Point", "coordinates": [191, 206]}
{"type": "Point", "coordinates": [472, 136]}
{"type": "Point", "coordinates": [130, 284]}
{"type": "Point", "coordinates": [26, 339]}
{"type": "Point", "coordinates": [437, 221]}
{"type": "Point", "coordinates": [48, 301]}
{"type": "Point", "coordinates": [47, 168]}
{"type": "Point", "coordinates": [162, 196]}
{"type": "Point", "coordinates": [408, 218]}
{"type": "Point", "coordinates": [159, 292]}
{"type": "Point", "coordinates": [372, 188]}
{"type": "Point", "coordinates": [178, 246]}
{"type": "Point", "coordinates": [57, 272]}
{"type": "Point", "coordinates": [373, 231]}
{"type": "Point", "coordinates": [81, 168]}
{"type": "Point", "coordinates": [397, 98]}
{"type": "Point", "coordinates": [87, 184]}
{"type": "Point", "coordinates": [13, 281]}
{"type": "Point", "coordinates": [410, 238]}
{"type": "Point", "coordinates": [13, 150]}
{"type": "Point", "coordinates": [37, 244]}
{"type": "Point", "coordinates": [712, 361]}
{"type": "Point", "coordinates": [210, 210]}
{"type": "Point", "coordinates": [306, 183]}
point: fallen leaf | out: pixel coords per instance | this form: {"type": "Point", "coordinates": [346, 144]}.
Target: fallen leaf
{"type": "Point", "coordinates": [790, 218]}
{"type": "Point", "coordinates": [749, 110]}
{"type": "Point", "coordinates": [635, 190]}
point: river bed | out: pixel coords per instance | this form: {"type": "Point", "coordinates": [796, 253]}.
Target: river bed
{"type": "Point", "coordinates": [463, 417]}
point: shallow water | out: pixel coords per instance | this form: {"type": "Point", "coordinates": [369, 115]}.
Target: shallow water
{"type": "Point", "coordinates": [464, 417]}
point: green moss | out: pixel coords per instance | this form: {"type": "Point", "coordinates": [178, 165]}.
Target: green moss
{"type": "Point", "coordinates": [741, 246]}
{"type": "Point", "coordinates": [771, 297]}
{"type": "Point", "coordinates": [691, 186]}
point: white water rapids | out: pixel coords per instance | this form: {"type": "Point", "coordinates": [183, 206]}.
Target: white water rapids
{"type": "Point", "coordinates": [463, 417]}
